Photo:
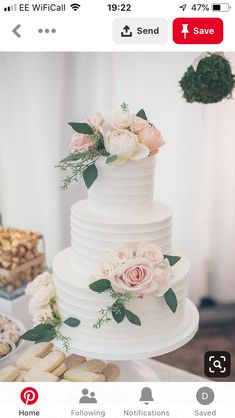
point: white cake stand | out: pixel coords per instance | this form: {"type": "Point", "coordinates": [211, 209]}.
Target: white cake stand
{"type": "Point", "coordinates": [134, 370]}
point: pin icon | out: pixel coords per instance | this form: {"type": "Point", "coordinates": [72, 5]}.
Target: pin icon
{"type": "Point", "coordinates": [185, 30]}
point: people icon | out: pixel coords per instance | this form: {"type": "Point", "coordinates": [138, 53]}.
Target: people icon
{"type": "Point", "coordinates": [86, 398]}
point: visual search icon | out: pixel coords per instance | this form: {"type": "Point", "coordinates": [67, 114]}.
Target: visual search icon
{"type": "Point", "coordinates": [146, 395]}
{"type": "Point", "coordinates": [29, 396]}
{"type": "Point", "coordinates": [217, 364]}
{"type": "Point", "coordinates": [87, 397]}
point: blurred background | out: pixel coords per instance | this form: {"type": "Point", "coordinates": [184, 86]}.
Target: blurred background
{"type": "Point", "coordinates": [41, 92]}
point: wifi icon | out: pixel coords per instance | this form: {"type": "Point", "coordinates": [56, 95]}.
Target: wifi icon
{"type": "Point", "coordinates": [75, 6]}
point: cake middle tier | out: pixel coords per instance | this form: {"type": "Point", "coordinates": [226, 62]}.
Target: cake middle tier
{"type": "Point", "coordinates": [93, 236]}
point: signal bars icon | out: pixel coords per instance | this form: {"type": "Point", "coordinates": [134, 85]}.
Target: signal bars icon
{"type": "Point", "coordinates": [75, 6]}
{"type": "Point", "coordinates": [12, 8]}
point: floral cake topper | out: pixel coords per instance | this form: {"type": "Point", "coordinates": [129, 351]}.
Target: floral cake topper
{"type": "Point", "coordinates": [118, 136]}
{"type": "Point", "coordinates": [127, 274]}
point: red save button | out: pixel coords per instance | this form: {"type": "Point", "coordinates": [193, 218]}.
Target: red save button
{"type": "Point", "coordinates": [197, 30]}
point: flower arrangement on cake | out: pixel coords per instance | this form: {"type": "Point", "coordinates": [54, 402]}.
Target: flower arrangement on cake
{"type": "Point", "coordinates": [44, 312]}
{"type": "Point", "coordinates": [128, 274]}
{"type": "Point", "coordinates": [118, 136]}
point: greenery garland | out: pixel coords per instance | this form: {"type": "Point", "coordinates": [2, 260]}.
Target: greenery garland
{"type": "Point", "coordinates": [210, 83]}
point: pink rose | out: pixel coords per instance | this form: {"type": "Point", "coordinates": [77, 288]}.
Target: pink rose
{"type": "Point", "coordinates": [151, 251]}
{"type": "Point", "coordinates": [138, 124]}
{"type": "Point", "coordinates": [134, 276]}
{"type": "Point", "coordinates": [94, 122]}
{"type": "Point", "coordinates": [80, 142]}
{"type": "Point", "coordinates": [151, 137]}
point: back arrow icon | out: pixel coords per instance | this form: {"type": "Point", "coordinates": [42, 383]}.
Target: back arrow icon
{"type": "Point", "coordinates": [15, 31]}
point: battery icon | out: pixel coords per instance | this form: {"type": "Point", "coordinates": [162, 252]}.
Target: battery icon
{"type": "Point", "coordinates": [220, 7]}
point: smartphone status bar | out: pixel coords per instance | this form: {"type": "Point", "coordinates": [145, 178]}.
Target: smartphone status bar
{"type": "Point", "coordinates": [105, 26]}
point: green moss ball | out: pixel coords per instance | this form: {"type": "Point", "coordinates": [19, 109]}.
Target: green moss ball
{"type": "Point", "coordinates": [210, 83]}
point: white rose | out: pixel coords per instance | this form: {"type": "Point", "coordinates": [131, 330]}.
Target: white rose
{"type": "Point", "coordinates": [120, 254]}
{"type": "Point", "coordinates": [43, 279]}
{"type": "Point", "coordinates": [42, 297]}
{"type": "Point", "coordinates": [151, 251]}
{"type": "Point", "coordinates": [120, 120]}
{"type": "Point", "coordinates": [42, 315]}
{"type": "Point", "coordinates": [162, 281]}
{"type": "Point", "coordinates": [103, 270]}
{"type": "Point", "coordinates": [125, 145]}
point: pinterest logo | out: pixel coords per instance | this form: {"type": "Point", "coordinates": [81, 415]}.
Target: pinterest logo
{"type": "Point", "coordinates": [29, 396]}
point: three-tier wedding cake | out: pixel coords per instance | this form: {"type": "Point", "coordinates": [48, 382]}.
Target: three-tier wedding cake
{"type": "Point", "coordinates": [120, 291]}
{"type": "Point", "coordinates": [120, 276]}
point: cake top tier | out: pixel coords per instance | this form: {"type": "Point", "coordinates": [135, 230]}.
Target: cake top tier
{"type": "Point", "coordinates": [117, 139]}
{"type": "Point", "coordinates": [125, 189]}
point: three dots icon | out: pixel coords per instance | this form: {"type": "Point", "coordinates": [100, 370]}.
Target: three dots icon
{"type": "Point", "coordinates": [46, 30]}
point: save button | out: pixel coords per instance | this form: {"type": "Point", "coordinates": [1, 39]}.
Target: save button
{"type": "Point", "coordinates": [198, 30]}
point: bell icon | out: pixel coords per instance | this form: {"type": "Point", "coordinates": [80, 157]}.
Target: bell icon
{"type": "Point", "coordinates": [146, 396]}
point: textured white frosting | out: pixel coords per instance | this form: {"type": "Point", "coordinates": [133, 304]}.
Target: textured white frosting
{"type": "Point", "coordinates": [94, 235]}
{"type": "Point", "coordinates": [74, 298]}
{"type": "Point", "coordinates": [120, 209]}
{"type": "Point", "coordinates": [122, 189]}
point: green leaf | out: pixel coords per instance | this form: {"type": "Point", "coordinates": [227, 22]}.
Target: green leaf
{"type": "Point", "coordinates": [72, 322]}
{"type": "Point", "coordinates": [90, 175]}
{"type": "Point", "coordinates": [171, 300]}
{"type": "Point", "coordinates": [100, 285]}
{"type": "Point", "coordinates": [141, 114]}
{"type": "Point", "coordinates": [134, 319]}
{"type": "Point", "coordinates": [111, 159]}
{"type": "Point", "coordinates": [118, 312]}
{"type": "Point", "coordinates": [82, 128]}
{"type": "Point", "coordinates": [48, 336]}
{"type": "Point", "coordinates": [173, 259]}
{"type": "Point", "coordinates": [36, 333]}
{"type": "Point", "coordinates": [71, 157]}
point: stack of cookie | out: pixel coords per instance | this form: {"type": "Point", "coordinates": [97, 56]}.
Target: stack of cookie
{"type": "Point", "coordinates": [9, 335]}
{"type": "Point", "coordinates": [42, 363]}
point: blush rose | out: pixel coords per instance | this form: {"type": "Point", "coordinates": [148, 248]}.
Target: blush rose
{"type": "Point", "coordinates": [151, 137]}
{"type": "Point", "coordinates": [80, 142]}
{"type": "Point", "coordinates": [134, 276]}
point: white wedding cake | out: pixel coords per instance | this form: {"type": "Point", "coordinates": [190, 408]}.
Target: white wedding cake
{"type": "Point", "coordinates": [121, 279]}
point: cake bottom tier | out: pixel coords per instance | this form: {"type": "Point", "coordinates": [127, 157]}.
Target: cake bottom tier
{"type": "Point", "coordinates": [161, 330]}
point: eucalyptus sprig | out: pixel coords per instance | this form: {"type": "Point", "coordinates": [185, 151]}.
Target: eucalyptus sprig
{"type": "Point", "coordinates": [49, 330]}
{"type": "Point", "coordinates": [117, 310]}
{"type": "Point", "coordinates": [81, 165]}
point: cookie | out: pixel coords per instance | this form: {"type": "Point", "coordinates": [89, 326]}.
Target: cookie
{"type": "Point", "coordinates": [21, 376]}
{"type": "Point", "coordinates": [40, 376]}
{"type": "Point", "coordinates": [5, 348]}
{"type": "Point", "coordinates": [50, 362]}
{"type": "Point", "coordinates": [39, 350]}
{"type": "Point", "coordinates": [111, 372]}
{"type": "Point", "coordinates": [9, 374]}
{"type": "Point", "coordinates": [77, 375]}
{"type": "Point", "coordinates": [26, 363]}
{"type": "Point", "coordinates": [60, 370]}
{"type": "Point", "coordinates": [93, 366]}
{"type": "Point", "coordinates": [74, 360]}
